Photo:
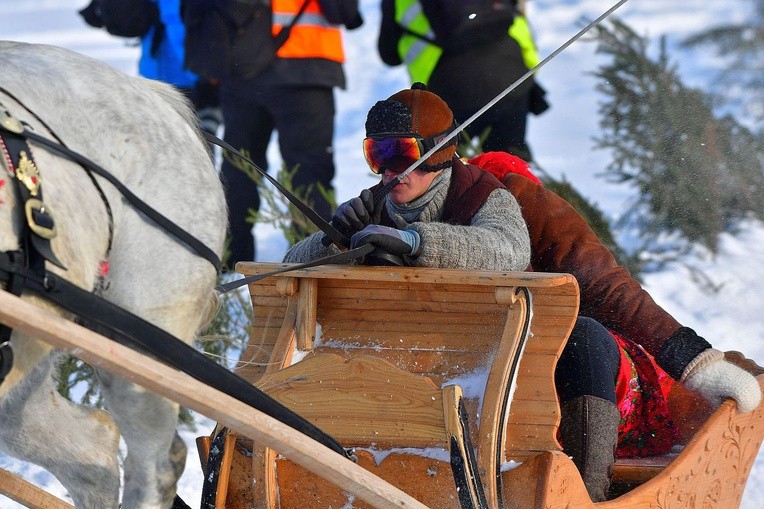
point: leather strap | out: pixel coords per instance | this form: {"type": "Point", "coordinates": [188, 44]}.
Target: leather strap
{"type": "Point", "coordinates": [110, 320]}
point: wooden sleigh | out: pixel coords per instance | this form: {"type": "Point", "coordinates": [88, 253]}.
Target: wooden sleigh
{"type": "Point", "coordinates": [442, 382]}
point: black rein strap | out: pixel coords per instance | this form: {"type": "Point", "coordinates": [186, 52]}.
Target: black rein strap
{"type": "Point", "coordinates": [311, 214]}
{"type": "Point", "coordinates": [138, 203]}
{"type": "Point", "coordinates": [130, 330]}
{"type": "Point", "coordinates": [339, 258]}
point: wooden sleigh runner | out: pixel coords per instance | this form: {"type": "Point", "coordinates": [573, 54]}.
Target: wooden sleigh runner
{"type": "Point", "coordinates": [441, 381]}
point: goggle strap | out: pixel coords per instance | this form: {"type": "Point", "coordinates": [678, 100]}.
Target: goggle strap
{"type": "Point", "coordinates": [433, 140]}
{"type": "Point", "coordinates": [437, 166]}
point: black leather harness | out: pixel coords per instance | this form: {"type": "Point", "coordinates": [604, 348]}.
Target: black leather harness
{"type": "Point", "coordinates": [38, 227]}
{"type": "Point", "coordinates": [24, 270]}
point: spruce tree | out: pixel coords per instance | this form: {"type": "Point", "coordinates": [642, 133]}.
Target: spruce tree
{"type": "Point", "coordinates": [741, 45]}
{"type": "Point", "coordinates": [695, 174]}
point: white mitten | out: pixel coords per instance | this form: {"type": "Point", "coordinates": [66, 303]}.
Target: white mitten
{"type": "Point", "coordinates": [716, 379]}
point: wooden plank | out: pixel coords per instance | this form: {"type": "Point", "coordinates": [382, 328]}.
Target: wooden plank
{"type": "Point", "coordinates": [361, 400]}
{"type": "Point", "coordinates": [394, 292]}
{"type": "Point", "coordinates": [306, 314]}
{"type": "Point", "coordinates": [416, 274]}
{"type": "Point", "coordinates": [261, 314]}
{"type": "Point", "coordinates": [639, 470]}
{"type": "Point", "coordinates": [281, 355]}
{"type": "Point", "coordinates": [156, 377]}
{"type": "Point", "coordinates": [439, 366]}
{"type": "Point", "coordinates": [522, 438]}
{"type": "Point", "coordinates": [377, 306]}
{"type": "Point", "coordinates": [420, 338]}
{"type": "Point", "coordinates": [267, 301]}
{"type": "Point", "coordinates": [493, 315]}
{"type": "Point", "coordinates": [224, 474]}
{"type": "Point", "coordinates": [442, 323]}
{"type": "Point", "coordinates": [264, 479]}
{"type": "Point", "coordinates": [526, 411]}
{"type": "Point", "coordinates": [502, 377]}
{"type": "Point", "coordinates": [426, 479]}
{"type": "Point", "coordinates": [264, 287]}
{"type": "Point", "coordinates": [27, 494]}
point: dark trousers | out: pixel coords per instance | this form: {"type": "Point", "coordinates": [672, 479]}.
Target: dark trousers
{"type": "Point", "coordinates": [589, 363]}
{"type": "Point", "coordinates": [304, 120]}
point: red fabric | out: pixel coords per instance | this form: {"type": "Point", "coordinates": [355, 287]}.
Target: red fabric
{"type": "Point", "coordinates": [502, 163]}
{"type": "Point", "coordinates": [642, 389]}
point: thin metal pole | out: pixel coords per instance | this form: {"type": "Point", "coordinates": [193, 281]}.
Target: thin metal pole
{"type": "Point", "coordinates": [499, 97]}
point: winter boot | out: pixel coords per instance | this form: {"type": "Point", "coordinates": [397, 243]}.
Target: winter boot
{"type": "Point", "coordinates": [589, 432]}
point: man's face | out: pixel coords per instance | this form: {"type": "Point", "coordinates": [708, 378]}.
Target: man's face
{"type": "Point", "coordinates": [413, 185]}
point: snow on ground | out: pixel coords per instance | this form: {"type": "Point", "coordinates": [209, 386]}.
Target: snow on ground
{"type": "Point", "coordinates": [729, 316]}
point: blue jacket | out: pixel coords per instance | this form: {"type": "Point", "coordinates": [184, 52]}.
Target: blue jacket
{"type": "Point", "coordinates": [167, 63]}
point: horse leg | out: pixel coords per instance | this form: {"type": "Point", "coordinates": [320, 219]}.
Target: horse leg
{"type": "Point", "coordinates": [78, 445]}
{"type": "Point", "coordinates": [156, 455]}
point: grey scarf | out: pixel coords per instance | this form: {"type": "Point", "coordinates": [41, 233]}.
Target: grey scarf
{"type": "Point", "coordinates": [420, 209]}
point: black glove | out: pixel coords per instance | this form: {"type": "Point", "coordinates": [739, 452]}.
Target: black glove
{"type": "Point", "coordinates": [354, 214]}
{"type": "Point", "coordinates": [390, 240]}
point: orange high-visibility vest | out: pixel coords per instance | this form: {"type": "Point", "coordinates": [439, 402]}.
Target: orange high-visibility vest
{"type": "Point", "coordinates": [312, 36]}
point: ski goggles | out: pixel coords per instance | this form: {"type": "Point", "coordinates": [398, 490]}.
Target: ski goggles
{"type": "Point", "coordinates": [397, 152]}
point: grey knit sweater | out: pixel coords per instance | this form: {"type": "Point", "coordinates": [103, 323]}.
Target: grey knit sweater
{"type": "Point", "coordinates": [496, 239]}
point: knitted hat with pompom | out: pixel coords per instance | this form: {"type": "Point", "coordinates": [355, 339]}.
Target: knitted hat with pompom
{"type": "Point", "coordinates": [418, 111]}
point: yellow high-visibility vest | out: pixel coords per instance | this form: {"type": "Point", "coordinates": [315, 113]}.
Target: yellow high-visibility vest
{"type": "Point", "coordinates": [421, 56]}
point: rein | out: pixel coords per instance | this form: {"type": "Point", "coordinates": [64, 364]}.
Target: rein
{"type": "Point", "coordinates": [331, 233]}
{"type": "Point", "coordinates": [161, 220]}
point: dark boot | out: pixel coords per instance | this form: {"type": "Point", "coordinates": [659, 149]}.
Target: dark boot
{"type": "Point", "coordinates": [589, 432]}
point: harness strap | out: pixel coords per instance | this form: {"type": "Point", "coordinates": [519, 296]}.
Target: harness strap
{"type": "Point", "coordinates": [15, 285]}
{"type": "Point", "coordinates": [311, 214]}
{"type": "Point", "coordinates": [12, 124]}
{"type": "Point", "coordinates": [118, 324]}
{"type": "Point", "coordinates": [339, 258]}
{"type": "Point", "coordinates": [28, 185]}
{"type": "Point", "coordinates": [144, 207]}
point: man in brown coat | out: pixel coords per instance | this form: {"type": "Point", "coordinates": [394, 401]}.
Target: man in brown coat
{"type": "Point", "coordinates": [562, 241]}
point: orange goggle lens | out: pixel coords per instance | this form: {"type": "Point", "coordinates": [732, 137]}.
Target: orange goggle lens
{"type": "Point", "coordinates": [391, 153]}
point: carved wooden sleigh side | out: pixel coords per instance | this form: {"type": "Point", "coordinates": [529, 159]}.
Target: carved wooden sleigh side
{"type": "Point", "coordinates": [379, 358]}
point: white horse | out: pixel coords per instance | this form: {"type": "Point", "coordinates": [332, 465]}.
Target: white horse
{"type": "Point", "coordinates": [145, 134]}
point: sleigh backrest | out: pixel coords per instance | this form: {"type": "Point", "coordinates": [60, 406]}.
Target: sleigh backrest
{"type": "Point", "coordinates": [497, 335]}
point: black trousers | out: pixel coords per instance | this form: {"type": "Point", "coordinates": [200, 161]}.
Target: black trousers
{"type": "Point", "coordinates": [589, 363]}
{"type": "Point", "coordinates": [304, 120]}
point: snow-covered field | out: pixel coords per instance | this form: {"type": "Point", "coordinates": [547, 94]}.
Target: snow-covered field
{"type": "Point", "coordinates": [730, 318]}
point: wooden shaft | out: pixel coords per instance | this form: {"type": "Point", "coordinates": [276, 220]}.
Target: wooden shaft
{"type": "Point", "coordinates": [27, 494]}
{"type": "Point", "coordinates": [161, 379]}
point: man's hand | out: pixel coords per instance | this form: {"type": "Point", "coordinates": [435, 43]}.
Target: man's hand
{"type": "Point", "coordinates": [390, 240]}
{"type": "Point", "coordinates": [716, 379]}
{"type": "Point", "coordinates": [353, 215]}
